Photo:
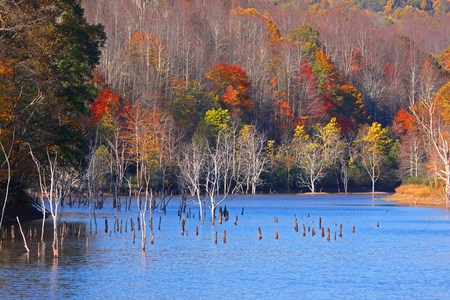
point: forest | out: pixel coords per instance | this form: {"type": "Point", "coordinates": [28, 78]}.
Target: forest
{"type": "Point", "coordinates": [209, 98]}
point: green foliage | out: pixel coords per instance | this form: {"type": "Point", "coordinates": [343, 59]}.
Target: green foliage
{"type": "Point", "coordinates": [442, 5]}
{"type": "Point", "coordinates": [389, 177]}
{"type": "Point", "coordinates": [415, 180]}
{"type": "Point", "coordinates": [406, 41]}
{"type": "Point", "coordinates": [47, 59]}
{"type": "Point", "coordinates": [217, 118]}
{"type": "Point", "coordinates": [308, 38]}
{"type": "Point", "coordinates": [376, 5]}
{"type": "Point", "coordinates": [214, 121]}
{"type": "Point", "coordinates": [189, 104]}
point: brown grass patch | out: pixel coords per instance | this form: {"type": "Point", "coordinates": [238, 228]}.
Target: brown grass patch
{"type": "Point", "coordinates": [419, 195]}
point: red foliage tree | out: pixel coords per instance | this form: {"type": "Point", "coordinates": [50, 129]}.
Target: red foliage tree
{"type": "Point", "coordinates": [105, 104]}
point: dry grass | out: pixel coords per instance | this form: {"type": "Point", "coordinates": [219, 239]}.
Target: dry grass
{"type": "Point", "coordinates": [419, 195]}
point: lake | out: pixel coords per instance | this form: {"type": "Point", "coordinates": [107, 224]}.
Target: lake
{"type": "Point", "coordinates": [406, 256]}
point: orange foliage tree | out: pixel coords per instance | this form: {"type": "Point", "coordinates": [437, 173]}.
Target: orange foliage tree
{"type": "Point", "coordinates": [109, 112]}
{"type": "Point", "coordinates": [232, 86]}
{"type": "Point", "coordinates": [341, 99]}
{"type": "Point", "coordinates": [413, 145]}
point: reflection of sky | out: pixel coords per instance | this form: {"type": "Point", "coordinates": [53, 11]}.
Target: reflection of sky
{"type": "Point", "coordinates": [406, 257]}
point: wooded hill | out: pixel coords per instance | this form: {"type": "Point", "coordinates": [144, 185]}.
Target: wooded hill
{"type": "Point", "coordinates": [206, 96]}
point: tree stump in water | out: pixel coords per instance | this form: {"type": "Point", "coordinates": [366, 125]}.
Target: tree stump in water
{"type": "Point", "coordinates": [183, 222]}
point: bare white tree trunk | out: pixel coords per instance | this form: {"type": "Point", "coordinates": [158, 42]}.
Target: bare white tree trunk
{"type": "Point", "coordinates": [50, 182]}
{"type": "Point", "coordinates": [7, 155]}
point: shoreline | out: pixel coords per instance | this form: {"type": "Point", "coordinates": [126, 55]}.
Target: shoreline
{"type": "Point", "coordinates": [416, 201]}
{"type": "Point", "coordinates": [399, 196]}
{"type": "Point", "coordinates": [418, 195]}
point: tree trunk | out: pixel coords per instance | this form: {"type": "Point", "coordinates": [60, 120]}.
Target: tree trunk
{"type": "Point", "coordinates": [55, 238]}
{"type": "Point", "coordinates": [373, 189]}
{"type": "Point", "coordinates": [213, 213]}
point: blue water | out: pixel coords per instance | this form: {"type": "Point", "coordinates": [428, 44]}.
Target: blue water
{"type": "Point", "coordinates": [406, 257]}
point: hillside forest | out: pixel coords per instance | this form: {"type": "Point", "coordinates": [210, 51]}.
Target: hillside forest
{"type": "Point", "coordinates": [209, 98]}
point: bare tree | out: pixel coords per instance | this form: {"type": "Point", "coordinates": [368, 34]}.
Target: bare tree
{"type": "Point", "coordinates": [7, 155]}
{"type": "Point", "coordinates": [170, 141]}
{"type": "Point", "coordinates": [413, 154]}
{"type": "Point", "coordinates": [51, 182]}
{"type": "Point", "coordinates": [432, 117]}
{"type": "Point", "coordinates": [218, 169]}
{"type": "Point", "coordinates": [191, 162]}
{"type": "Point", "coordinates": [252, 145]}
{"type": "Point", "coordinates": [348, 152]}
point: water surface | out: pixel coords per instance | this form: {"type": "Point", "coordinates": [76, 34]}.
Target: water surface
{"type": "Point", "coordinates": [407, 256]}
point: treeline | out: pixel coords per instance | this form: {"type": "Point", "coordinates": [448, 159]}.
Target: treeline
{"type": "Point", "coordinates": [277, 67]}
{"type": "Point", "coordinates": [216, 97]}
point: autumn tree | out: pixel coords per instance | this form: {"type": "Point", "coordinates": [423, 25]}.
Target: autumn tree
{"type": "Point", "coordinates": [144, 68]}
{"type": "Point", "coordinates": [413, 145]}
{"type": "Point", "coordinates": [188, 104]}
{"type": "Point", "coordinates": [372, 144]}
{"type": "Point", "coordinates": [110, 112]}
{"type": "Point", "coordinates": [433, 117]}
{"type": "Point", "coordinates": [340, 98]}
{"type": "Point", "coordinates": [316, 152]}
{"type": "Point", "coordinates": [232, 86]}
{"type": "Point", "coordinates": [47, 59]}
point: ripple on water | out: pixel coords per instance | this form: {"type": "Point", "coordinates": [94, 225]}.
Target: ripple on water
{"type": "Point", "coordinates": [406, 257]}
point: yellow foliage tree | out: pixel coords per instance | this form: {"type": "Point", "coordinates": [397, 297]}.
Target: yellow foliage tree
{"type": "Point", "coordinates": [314, 154]}
{"type": "Point", "coordinates": [372, 144]}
